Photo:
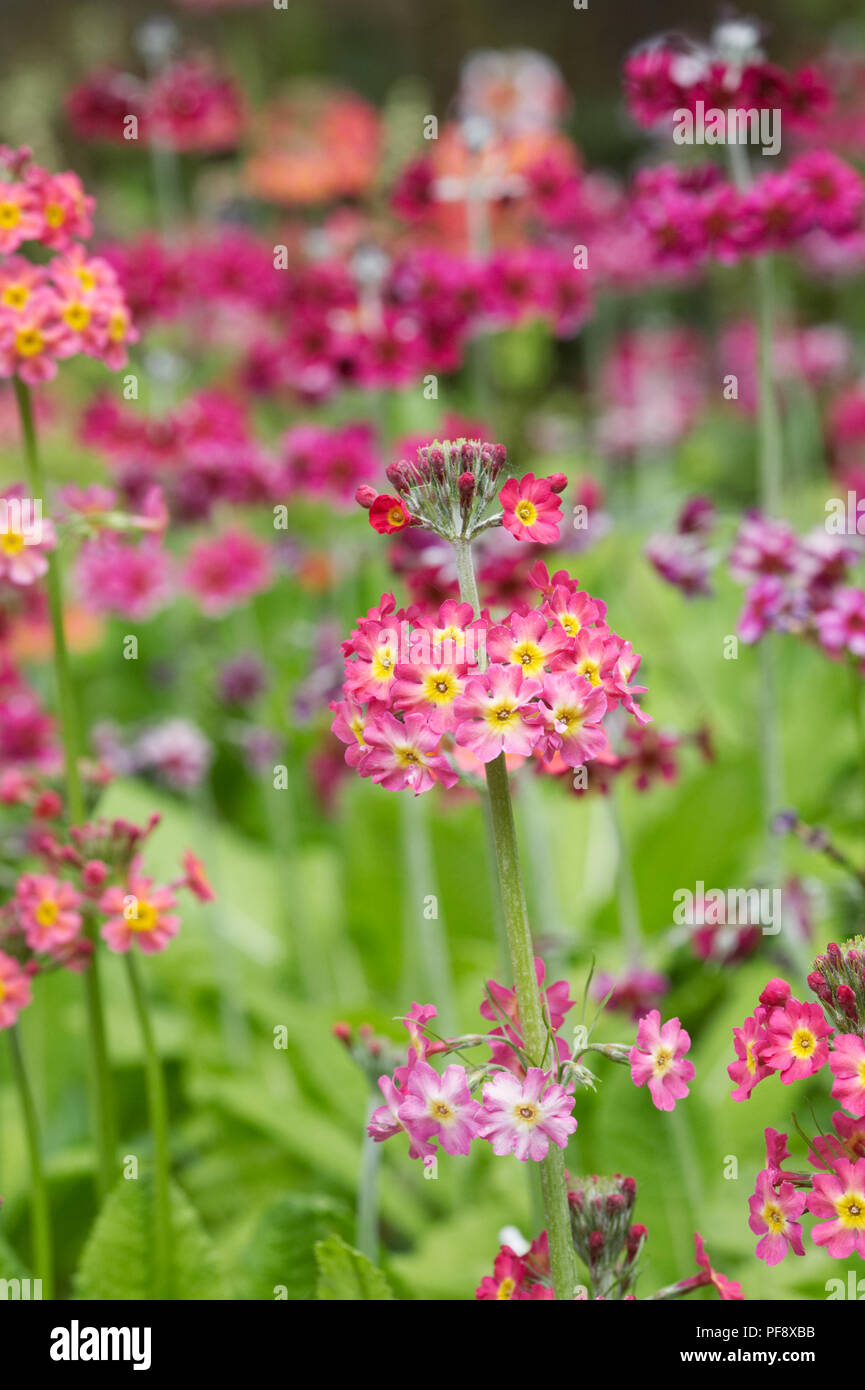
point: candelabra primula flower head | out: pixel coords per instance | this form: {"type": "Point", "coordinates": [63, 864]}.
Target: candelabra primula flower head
{"type": "Point", "coordinates": [838, 980]}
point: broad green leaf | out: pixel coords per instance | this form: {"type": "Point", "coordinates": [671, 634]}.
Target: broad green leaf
{"type": "Point", "coordinates": [118, 1259]}
{"type": "Point", "coordinates": [345, 1275]}
{"type": "Point", "coordinates": [282, 1253]}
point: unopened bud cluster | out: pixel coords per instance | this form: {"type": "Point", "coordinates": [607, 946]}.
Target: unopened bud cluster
{"type": "Point", "coordinates": [838, 980]}
{"type": "Point", "coordinates": [604, 1237]}
{"type": "Point", "coordinates": [450, 486]}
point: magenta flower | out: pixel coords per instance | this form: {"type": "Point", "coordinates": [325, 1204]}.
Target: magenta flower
{"type": "Point", "coordinates": [842, 624]}
{"type": "Point", "coordinates": [139, 913]}
{"type": "Point", "coordinates": [729, 1289]}
{"type": "Point", "coordinates": [750, 1042]}
{"type": "Point", "coordinates": [572, 711]}
{"type": "Point", "coordinates": [224, 571]}
{"type": "Point", "coordinates": [532, 511]}
{"type": "Point", "coordinates": [15, 991]}
{"type": "Point", "coordinates": [527, 641]}
{"type": "Point", "coordinates": [839, 1196]}
{"type": "Point", "coordinates": [659, 1059]}
{"type": "Point", "coordinates": [847, 1064]}
{"type": "Point", "coordinates": [384, 1122]}
{"type": "Point", "coordinates": [441, 1106]}
{"type": "Point", "coordinates": [524, 1117]}
{"type": "Point", "coordinates": [773, 1219]}
{"type": "Point", "coordinates": [429, 690]}
{"type": "Point", "coordinates": [404, 755]}
{"type": "Point", "coordinates": [798, 1040]}
{"type": "Point", "coordinates": [46, 909]}
{"type": "Point", "coordinates": [23, 557]}
{"type": "Point", "coordinates": [491, 714]}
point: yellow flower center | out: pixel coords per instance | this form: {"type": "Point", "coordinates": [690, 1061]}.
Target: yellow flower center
{"type": "Point", "coordinates": [441, 687]}
{"type": "Point", "coordinates": [526, 511]}
{"type": "Point", "coordinates": [47, 912]}
{"type": "Point", "coordinates": [54, 215]}
{"type": "Point", "coordinates": [2, 991]}
{"type": "Point", "coordinates": [526, 1113]}
{"type": "Point", "coordinates": [499, 715]}
{"type": "Point", "coordinates": [15, 296]}
{"type": "Point", "coordinates": [440, 1110]}
{"type": "Point", "coordinates": [10, 216]}
{"type": "Point", "coordinates": [409, 757]}
{"type": "Point", "coordinates": [663, 1061]}
{"type": "Point", "coordinates": [396, 516]}
{"type": "Point", "coordinates": [589, 668]}
{"type": "Point", "coordinates": [750, 1059]}
{"type": "Point", "coordinates": [117, 326]}
{"type": "Point", "coordinates": [146, 917]}
{"type": "Point", "coordinates": [569, 623]}
{"type": "Point", "coordinates": [77, 316]}
{"type": "Point", "coordinates": [803, 1042]}
{"type": "Point", "coordinates": [11, 542]}
{"type": "Point", "coordinates": [382, 664]}
{"type": "Point", "coordinates": [774, 1217]}
{"type": "Point", "coordinates": [86, 278]}
{"type": "Point", "coordinates": [851, 1211]}
{"type": "Point", "coordinates": [29, 342]}
{"type": "Point", "coordinates": [357, 727]}
{"type": "Point", "coordinates": [530, 657]}
{"type": "Point", "coordinates": [506, 1287]}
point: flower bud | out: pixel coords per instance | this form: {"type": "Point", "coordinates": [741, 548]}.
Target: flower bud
{"type": "Point", "coordinates": [366, 495]}
{"type": "Point", "coordinates": [776, 993]}
{"type": "Point", "coordinates": [558, 482]}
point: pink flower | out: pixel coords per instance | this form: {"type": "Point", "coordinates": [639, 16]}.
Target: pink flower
{"type": "Point", "coordinates": [797, 1045]}
{"type": "Point", "coordinates": [226, 570]}
{"type": "Point", "coordinates": [348, 724]}
{"type": "Point", "coordinates": [524, 1117]}
{"type": "Point", "coordinates": [431, 690]}
{"type": "Point", "coordinates": [140, 913]}
{"type": "Point", "coordinates": [659, 1059]}
{"type": "Point", "coordinates": [527, 641]}
{"type": "Point", "coordinates": [404, 755]}
{"type": "Point", "coordinates": [842, 623]}
{"type": "Point", "coordinates": [572, 711]}
{"type": "Point", "coordinates": [384, 1122]}
{"type": "Point", "coordinates": [20, 218]}
{"type": "Point", "coordinates": [773, 1218]}
{"type": "Point", "coordinates": [729, 1290]}
{"type": "Point", "coordinates": [115, 576]}
{"type": "Point", "coordinates": [847, 1064]}
{"type": "Point", "coordinates": [46, 909]}
{"type": "Point", "coordinates": [441, 1106]}
{"type": "Point", "coordinates": [840, 1197]}
{"type": "Point", "coordinates": [532, 511]}
{"type": "Point", "coordinates": [750, 1042]}
{"type": "Point", "coordinates": [504, 1283]}
{"type": "Point", "coordinates": [490, 716]}
{"type": "Point", "coordinates": [22, 555]}
{"type": "Point", "coordinates": [29, 338]}
{"type": "Point", "coordinates": [15, 991]}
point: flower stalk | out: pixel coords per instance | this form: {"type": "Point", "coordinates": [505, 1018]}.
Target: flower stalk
{"type": "Point", "coordinates": [103, 1100]}
{"type": "Point", "coordinates": [43, 1259]}
{"type": "Point", "coordinates": [157, 1106]}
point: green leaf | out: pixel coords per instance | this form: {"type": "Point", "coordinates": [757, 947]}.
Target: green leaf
{"type": "Point", "coordinates": [118, 1259]}
{"type": "Point", "coordinates": [346, 1275]}
{"type": "Point", "coordinates": [282, 1252]}
{"type": "Point", "coordinates": [11, 1266]}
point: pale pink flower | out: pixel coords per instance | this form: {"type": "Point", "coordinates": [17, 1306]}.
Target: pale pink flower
{"type": "Point", "coordinates": [659, 1059]}
{"type": "Point", "coordinates": [440, 1106]}
{"type": "Point", "coordinates": [524, 1117]}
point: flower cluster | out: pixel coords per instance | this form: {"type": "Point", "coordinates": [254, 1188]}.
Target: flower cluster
{"type": "Point", "coordinates": [73, 304]}
{"type": "Point", "coordinates": [556, 669]}
{"type": "Point", "coordinates": [523, 1107]}
{"type": "Point", "coordinates": [189, 106]}
{"type": "Point", "coordinates": [92, 882]}
{"type": "Point", "coordinates": [795, 1039]}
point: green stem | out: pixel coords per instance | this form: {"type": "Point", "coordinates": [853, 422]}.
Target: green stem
{"type": "Point", "coordinates": [428, 933]}
{"type": "Point", "coordinates": [103, 1101]}
{"type": "Point", "coordinates": [157, 1106]}
{"type": "Point", "coordinates": [43, 1261]}
{"type": "Point", "coordinates": [554, 1185]}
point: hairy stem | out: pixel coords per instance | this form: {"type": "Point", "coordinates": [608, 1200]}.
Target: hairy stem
{"type": "Point", "coordinates": [100, 1071]}
{"type": "Point", "coordinates": [522, 955]}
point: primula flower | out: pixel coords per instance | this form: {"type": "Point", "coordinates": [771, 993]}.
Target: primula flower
{"type": "Point", "coordinates": [15, 990]}
{"type": "Point", "coordinates": [847, 1064]}
{"type": "Point", "coordinates": [23, 557]}
{"type": "Point", "coordinates": [773, 1218]}
{"type": "Point", "coordinates": [525, 640]}
{"type": "Point", "coordinates": [388, 514]}
{"type": "Point", "coordinates": [840, 1197]}
{"type": "Point", "coordinates": [46, 908]}
{"type": "Point", "coordinates": [139, 913]}
{"type": "Point", "coordinates": [524, 1117]}
{"type": "Point", "coordinates": [490, 716]}
{"type": "Point", "coordinates": [572, 711]}
{"type": "Point", "coordinates": [532, 511]}
{"type": "Point", "coordinates": [658, 1058]}
{"type": "Point", "coordinates": [729, 1289]}
{"type": "Point", "coordinates": [440, 1106]}
{"type": "Point", "coordinates": [348, 724]}
{"type": "Point", "coordinates": [750, 1043]}
{"type": "Point", "coordinates": [384, 1122]}
{"type": "Point", "coordinates": [227, 570]}
{"type": "Point", "coordinates": [429, 690]}
{"type": "Point", "coordinates": [404, 755]}
{"type": "Point", "coordinates": [797, 1045]}
{"type": "Point", "coordinates": [504, 1283]}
